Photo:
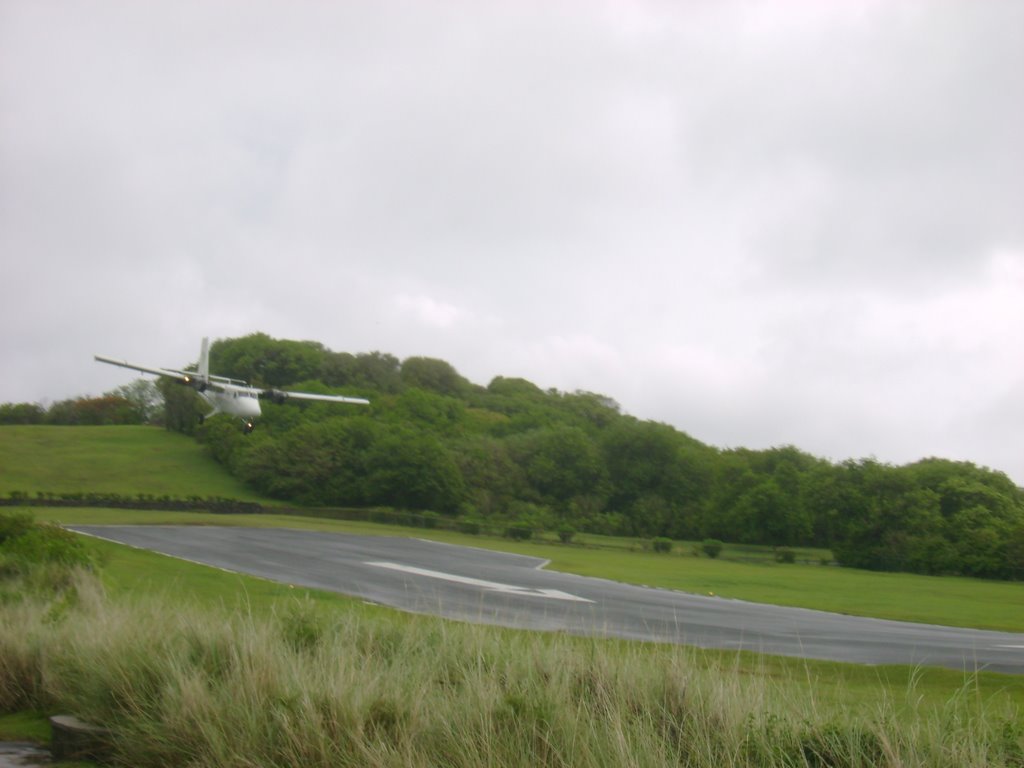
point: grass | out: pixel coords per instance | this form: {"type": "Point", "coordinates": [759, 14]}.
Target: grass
{"type": "Point", "coordinates": [25, 726]}
{"type": "Point", "coordinates": [131, 572]}
{"type": "Point", "coordinates": [188, 664]}
{"type": "Point", "coordinates": [124, 459]}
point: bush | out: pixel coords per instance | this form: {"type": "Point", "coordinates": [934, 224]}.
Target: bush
{"type": "Point", "coordinates": [471, 527]}
{"type": "Point", "coordinates": [662, 544]}
{"type": "Point", "coordinates": [42, 558]}
{"type": "Point", "coordinates": [519, 532]}
{"type": "Point", "coordinates": [14, 525]}
{"type": "Point", "coordinates": [785, 555]}
{"type": "Point", "coordinates": [711, 547]}
{"type": "Point", "coordinates": [49, 544]}
{"type": "Point", "coordinates": [566, 534]}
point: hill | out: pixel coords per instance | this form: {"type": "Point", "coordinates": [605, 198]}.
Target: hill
{"type": "Point", "coordinates": [511, 453]}
{"type": "Point", "coordinates": [127, 460]}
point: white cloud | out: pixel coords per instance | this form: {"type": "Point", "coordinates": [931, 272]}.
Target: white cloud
{"type": "Point", "coordinates": [423, 309]}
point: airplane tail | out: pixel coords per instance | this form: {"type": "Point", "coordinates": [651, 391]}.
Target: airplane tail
{"type": "Point", "coordinates": [204, 360]}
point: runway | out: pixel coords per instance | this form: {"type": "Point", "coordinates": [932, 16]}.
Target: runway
{"type": "Point", "coordinates": [479, 585]}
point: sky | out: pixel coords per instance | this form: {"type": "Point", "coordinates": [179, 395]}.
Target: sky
{"type": "Point", "coordinates": [764, 223]}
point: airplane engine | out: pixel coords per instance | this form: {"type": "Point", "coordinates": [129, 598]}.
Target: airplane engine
{"type": "Point", "coordinates": [197, 384]}
{"type": "Point", "coordinates": [275, 395]}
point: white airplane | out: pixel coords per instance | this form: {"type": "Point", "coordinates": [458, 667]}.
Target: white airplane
{"type": "Point", "coordinates": [230, 396]}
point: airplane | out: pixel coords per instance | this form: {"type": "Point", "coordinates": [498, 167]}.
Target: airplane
{"type": "Point", "coordinates": [224, 395]}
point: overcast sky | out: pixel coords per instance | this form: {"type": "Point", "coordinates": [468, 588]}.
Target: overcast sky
{"type": "Point", "coordinates": [762, 223]}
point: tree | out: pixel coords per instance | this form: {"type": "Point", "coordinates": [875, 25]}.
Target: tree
{"type": "Point", "coordinates": [22, 413]}
{"type": "Point", "coordinates": [267, 362]}
{"type": "Point", "coordinates": [413, 470]}
{"type": "Point", "coordinates": [433, 411]}
{"type": "Point", "coordinates": [493, 478]}
{"type": "Point", "coordinates": [93, 411]}
{"type": "Point", "coordinates": [434, 375]}
{"type": "Point", "coordinates": [339, 369]}
{"type": "Point", "coordinates": [514, 387]}
{"type": "Point", "coordinates": [182, 406]}
{"type": "Point", "coordinates": [560, 463]}
{"type": "Point", "coordinates": [378, 370]}
{"type": "Point", "coordinates": [145, 397]}
{"type": "Point", "coordinates": [317, 462]}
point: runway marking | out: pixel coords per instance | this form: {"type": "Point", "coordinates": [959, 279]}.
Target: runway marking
{"type": "Point", "coordinates": [1009, 646]}
{"type": "Point", "coordinates": [492, 586]}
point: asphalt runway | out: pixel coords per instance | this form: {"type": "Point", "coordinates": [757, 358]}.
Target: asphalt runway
{"type": "Point", "coordinates": [480, 585]}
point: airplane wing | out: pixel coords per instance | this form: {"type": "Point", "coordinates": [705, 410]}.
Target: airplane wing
{"type": "Point", "coordinates": [279, 396]}
{"type": "Point", "coordinates": [182, 376]}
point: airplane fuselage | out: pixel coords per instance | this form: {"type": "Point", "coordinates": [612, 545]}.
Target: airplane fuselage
{"type": "Point", "coordinates": [243, 402]}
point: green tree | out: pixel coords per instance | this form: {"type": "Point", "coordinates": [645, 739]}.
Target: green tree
{"type": "Point", "coordinates": [412, 469]}
{"type": "Point", "coordinates": [434, 375]}
{"type": "Point", "coordinates": [339, 369]}
{"type": "Point", "coordinates": [440, 414]}
{"type": "Point", "coordinates": [493, 478]}
{"type": "Point", "coordinates": [182, 406]}
{"type": "Point", "coordinates": [560, 463]}
{"type": "Point", "coordinates": [22, 413]}
{"type": "Point", "coordinates": [379, 371]}
{"type": "Point", "coordinates": [317, 462]}
{"type": "Point", "coordinates": [267, 362]}
{"type": "Point", "coordinates": [145, 397]}
{"type": "Point", "coordinates": [93, 411]}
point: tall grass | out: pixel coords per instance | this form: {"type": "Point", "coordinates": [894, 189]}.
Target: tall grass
{"type": "Point", "coordinates": [208, 687]}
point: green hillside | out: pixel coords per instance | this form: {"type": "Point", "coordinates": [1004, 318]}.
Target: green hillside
{"type": "Point", "coordinates": [511, 452]}
{"type": "Point", "coordinates": [124, 459]}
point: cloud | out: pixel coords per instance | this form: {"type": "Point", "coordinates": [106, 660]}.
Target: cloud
{"type": "Point", "coordinates": [436, 314]}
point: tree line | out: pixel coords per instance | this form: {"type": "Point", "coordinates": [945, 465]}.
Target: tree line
{"type": "Point", "coordinates": [140, 402]}
{"type": "Point", "coordinates": [513, 452]}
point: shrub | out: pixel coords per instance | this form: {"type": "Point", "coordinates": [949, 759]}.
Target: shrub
{"type": "Point", "coordinates": [566, 534]}
{"type": "Point", "coordinates": [471, 527]}
{"type": "Point", "coordinates": [519, 532]}
{"type": "Point", "coordinates": [662, 544]}
{"type": "Point", "coordinates": [785, 555]}
{"type": "Point", "coordinates": [14, 525]}
{"type": "Point", "coordinates": [49, 544]}
{"type": "Point", "coordinates": [711, 547]}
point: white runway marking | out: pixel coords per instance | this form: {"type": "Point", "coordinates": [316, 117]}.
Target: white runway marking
{"type": "Point", "coordinates": [493, 586]}
{"type": "Point", "coordinates": [1009, 646]}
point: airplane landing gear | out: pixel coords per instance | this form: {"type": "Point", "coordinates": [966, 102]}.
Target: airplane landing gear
{"type": "Point", "coordinates": [249, 427]}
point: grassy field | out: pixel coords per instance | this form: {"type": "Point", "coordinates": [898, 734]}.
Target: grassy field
{"type": "Point", "coordinates": [125, 460]}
